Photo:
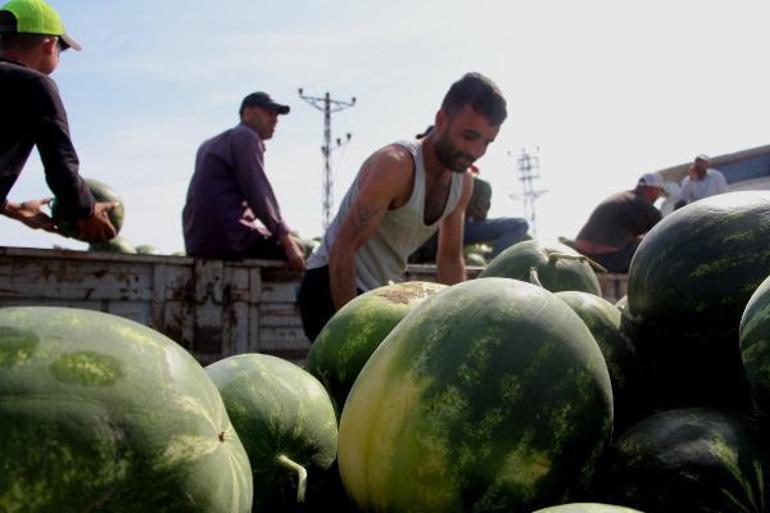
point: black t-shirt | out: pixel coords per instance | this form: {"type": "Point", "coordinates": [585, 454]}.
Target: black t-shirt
{"type": "Point", "coordinates": [619, 219]}
{"type": "Point", "coordinates": [32, 114]}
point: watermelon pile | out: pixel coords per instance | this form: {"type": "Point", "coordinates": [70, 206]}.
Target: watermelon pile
{"type": "Point", "coordinates": [520, 391]}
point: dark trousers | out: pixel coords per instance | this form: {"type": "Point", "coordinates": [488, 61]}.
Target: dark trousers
{"type": "Point", "coordinates": [265, 248]}
{"type": "Point", "coordinates": [316, 305]}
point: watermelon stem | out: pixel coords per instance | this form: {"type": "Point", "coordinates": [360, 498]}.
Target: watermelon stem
{"type": "Point", "coordinates": [534, 277]}
{"type": "Point", "coordinates": [596, 266]}
{"type": "Point", "coordinates": [301, 475]}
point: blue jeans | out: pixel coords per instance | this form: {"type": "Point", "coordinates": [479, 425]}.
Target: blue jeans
{"type": "Point", "coordinates": [500, 232]}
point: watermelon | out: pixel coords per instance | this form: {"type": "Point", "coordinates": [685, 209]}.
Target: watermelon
{"type": "Point", "coordinates": [115, 245]}
{"type": "Point", "coordinates": [475, 259]}
{"type": "Point", "coordinates": [350, 337]}
{"type": "Point", "coordinates": [606, 323]}
{"type": "Point", "coordinates": [688, 284]}
{"type": "Point", "coordinates": [101, 192]}
{"type": "Point", "coordinates": [755, 346]}
{"type": "Point", "coordinates": [490, 396]}
{"type": "Point", "coordinates": [688, 460]}
{"type": "Point", "coordinates": [586, 507]}
{"type": "Point", "coordinates": [559, 267]}
{"type": "Point", "coordinates": [100, 413]}
{"type": "Point", "coordinates": [286, 422]}
{"type": "Point", "coordinates": [147, 249]}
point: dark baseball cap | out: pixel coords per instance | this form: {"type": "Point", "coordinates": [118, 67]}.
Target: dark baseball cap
{"type": "Point", "coordinates": [34, 17]}
{"type": "Point", "coordinates": [263, 100]}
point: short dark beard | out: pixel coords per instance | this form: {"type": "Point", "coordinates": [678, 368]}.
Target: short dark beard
{"type": "Point", "coordinates": [447, 154]}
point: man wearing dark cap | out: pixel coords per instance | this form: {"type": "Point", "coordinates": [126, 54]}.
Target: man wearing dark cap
{"type": "Point", "coordinates": [231, 211]}
{"type": "Point", "coordinates": [32, 114]}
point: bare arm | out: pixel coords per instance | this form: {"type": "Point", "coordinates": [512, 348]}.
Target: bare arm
{"type": "Point", "coordinates": [449, 259]}
{"type": "Point", "coordinates": [385, 177]}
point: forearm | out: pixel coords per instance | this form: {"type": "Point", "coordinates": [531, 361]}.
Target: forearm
{"type": "Point", "coordinates": [9, 209]}
{"type": "Point", "coordinates": [451, 270]}
{"type": "Point", "coordinates": [342, 277]}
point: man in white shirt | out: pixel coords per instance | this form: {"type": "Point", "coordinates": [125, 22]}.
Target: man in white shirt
{"type": "Point", "coordinates": [701, 182]}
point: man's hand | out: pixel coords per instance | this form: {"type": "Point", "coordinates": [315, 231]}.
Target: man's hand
{"type": "Point", "coordinates": [98, 227]}
{"type": "Point", "coordinates": [31, 214]}
{"type": "Point", "coordinates": [295, 257]}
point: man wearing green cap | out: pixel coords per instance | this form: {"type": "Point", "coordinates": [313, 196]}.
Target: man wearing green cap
{"type": "Point", "coordinates": [31, 38]}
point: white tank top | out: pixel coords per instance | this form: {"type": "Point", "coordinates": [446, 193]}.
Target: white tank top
{"type": "Point", "coordinates": [383, 257]}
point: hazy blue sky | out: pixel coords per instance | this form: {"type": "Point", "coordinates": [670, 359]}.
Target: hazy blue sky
{"type": "Point", "coordinates": [607, 89]}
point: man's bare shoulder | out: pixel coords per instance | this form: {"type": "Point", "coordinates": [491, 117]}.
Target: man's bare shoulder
{"type": "Point", "coordinates": [392, 160]}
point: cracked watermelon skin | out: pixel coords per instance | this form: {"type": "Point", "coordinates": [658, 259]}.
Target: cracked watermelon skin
{"type": "Point", "coordinates": [100, 413]}
{"type": "Point", "coordinates": [491, 396]}
{"type": "Point", "coordinates": [688, 285]}
{"type": "Point", "coordinates": [350, 337]}
{"type": "Point", "coordinates": [587, 507]}
{"type": "Point", "coordinates": [555, 275]}
{"type": "Point", "coordinates": [755, 346]}
{"type": "Point", "coordinates": [277, 408]}
{"type": "Point", "coordinates": [693, 460]}
{"type": "Point", "coordinates": [100, 192]}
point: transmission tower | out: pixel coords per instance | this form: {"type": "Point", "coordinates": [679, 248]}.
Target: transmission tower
{"type": "Point", "coordinates": [328, 106]}
{"type": "Point", "coordinates": [528, 165]}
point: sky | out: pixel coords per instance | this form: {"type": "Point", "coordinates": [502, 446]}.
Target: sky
{"type": "Point", "coordinates": [606, 90]}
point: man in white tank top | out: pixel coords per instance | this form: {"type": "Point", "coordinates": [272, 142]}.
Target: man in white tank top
{"type": "Point", "coordinates": [402, 195]}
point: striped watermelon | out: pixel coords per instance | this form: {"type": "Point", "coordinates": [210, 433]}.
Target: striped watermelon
{"type": "Point", "coordinates": [558, 266]}
{"type": "Point", "coordinates": [755, 346]}
{"type": "Point", "coordinates": [286, 422]}
{"type": "Point", "coordinates": [99, 413]}
{"type": "Point", "coordinates": [606, 323]}
{"type": "Point", "coordinates": [491, 396]}
{"type": "Point", "coordinates": [354, 332]}
{"type": "Point", "coordinates": [688, 285]}
{"type": "Point", "coordinates": [101, 192]}
{"type": "Point", "coordinates": [696, 460]}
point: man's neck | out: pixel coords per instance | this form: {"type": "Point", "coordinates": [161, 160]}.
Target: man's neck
{"type": "Point", "coordinates": [19, 57]}
{"type": "Point", "coordinates": [433, 165]}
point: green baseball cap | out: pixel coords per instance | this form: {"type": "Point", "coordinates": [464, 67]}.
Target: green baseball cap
{"type": "Point", "coordinates": [36, 17]}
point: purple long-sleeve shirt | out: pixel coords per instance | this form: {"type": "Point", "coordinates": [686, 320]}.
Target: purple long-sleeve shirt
{"type": "Point", "coordinates": [228, 185]}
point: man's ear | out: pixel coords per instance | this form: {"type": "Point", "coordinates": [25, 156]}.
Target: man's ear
{"type": "Point", "coordinates": [49, 45]}
{"type": "Point", "coordinates": [442, 118]}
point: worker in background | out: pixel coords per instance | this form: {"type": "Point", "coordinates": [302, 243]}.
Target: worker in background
{"type": "Point", "coordinates": [231, 211]}
{"type": "Point", "coordinates": [701, 182]}
{"type": "Point", "coordinates": [32, 38]}
{"type": "Point", "coordinates": [616, 226]}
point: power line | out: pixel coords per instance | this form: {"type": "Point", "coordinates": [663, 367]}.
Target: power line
{"type": "Point", "coordinates": [328, 106]}
{"type": "Point", "coordinates": [529, 170]}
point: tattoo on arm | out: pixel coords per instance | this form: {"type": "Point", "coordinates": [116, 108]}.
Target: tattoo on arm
{"type": "Point", "coordinates": [363, 216]}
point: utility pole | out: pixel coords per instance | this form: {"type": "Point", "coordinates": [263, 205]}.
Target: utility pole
{"type": "Point", "coordinates": [328, 106]}
{"type": "Point", "coordinates": [529, 171]}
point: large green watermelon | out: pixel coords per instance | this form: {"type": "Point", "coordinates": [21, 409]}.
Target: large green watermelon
{"type": "Point", "coordinates": [695, 460]}
{"type": "Point", "coordinates": [688, 284]}
{"type": "Point", "coordinates": [354, 332]}
{"type": "Point", "coordinates": [587, 507]}
{"type": "Point", "coordinates": [755, 346]}
{"type": "Point", "coordinates": [99, 413]}
{"type": "Point", "coordinates": [100, 192]}
{"type": "Point", "coordinates": [559, 267]}
{"type": "Point", "coordinates": [286, 422]}
{"type": "Point", "coordinates": [490, 396]}
{"type": "Point", "coordinates": [606, 323]}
